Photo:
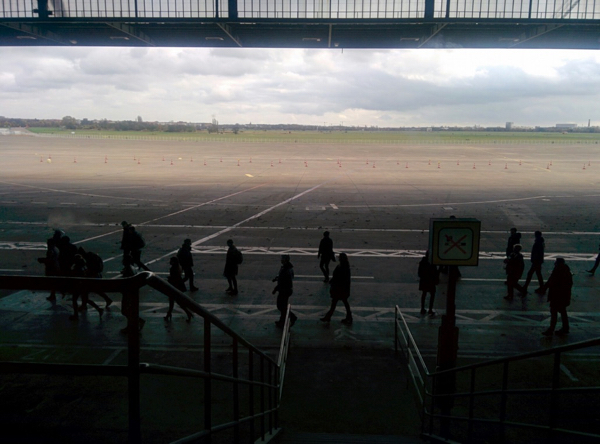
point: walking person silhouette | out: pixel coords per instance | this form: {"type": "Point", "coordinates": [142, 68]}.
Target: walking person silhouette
{"type": "Point", "coordinates": [184, 255]}
{"type": "Point", "coordinates": [232, 260]}
{"type": "Point", "coordinates": [284, 288]}
{"type": "Point", "coordinates": [340, 289]}
{"type": "Point", "coordinates": [326, 255]}
{"type": "Point", "coordinates": [176, 281]}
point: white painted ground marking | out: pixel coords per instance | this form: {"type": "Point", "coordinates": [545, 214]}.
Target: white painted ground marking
{"type": "Point", "coordinates": [173, 214]}
{"type": "Point", "coordinates": [130, 205]}
{"type": "Point", "coordinates": [112, 356]}
{"type": "Point", "coordinates": [256, 216]}
{"type": "Point", "coordinates": [344, 333]}
{"type": "Point", "coordinates": [321, 276]}
{"type": "Point", "coordinates": [566, 371]}
{"type": "Point", "coordinates": [72, 192]}
{"type": "Point", "coordinates": [249, 175]}
{"type": "Point", "coordinates": [334, 206]}
{"type": "Point", "coordinates": [447, 203]}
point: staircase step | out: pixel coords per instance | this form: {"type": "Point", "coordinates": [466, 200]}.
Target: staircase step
{"type": "Point", "coordinates": [333, 438]}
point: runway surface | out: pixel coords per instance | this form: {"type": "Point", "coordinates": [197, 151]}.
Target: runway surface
{"type": "Point", "coordinates": [275, 198]}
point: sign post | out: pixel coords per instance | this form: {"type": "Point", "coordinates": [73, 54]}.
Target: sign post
{"type": "Point", "coordinates": [452, 242]}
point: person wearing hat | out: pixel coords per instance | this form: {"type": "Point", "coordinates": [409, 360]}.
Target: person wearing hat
{"type": "Point", "coordinates": [284, 288]}
{"type": "Point", "coordinates": [187, 262]}
{"type": "Point", "coordinates": [559, 287]}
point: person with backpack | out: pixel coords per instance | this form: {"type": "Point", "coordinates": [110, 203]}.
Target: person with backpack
{"type": "Point", "coordinates": [79, 270]}
{"type": "Point", "coordinates": [186, 261]}
{"type": "Point", "coordinates": [95, 266]}
{"type": "Point", "coordinates": [134, 244]}
{"type": "Point", "coordinates": [176, 281]}
{"type": "Point", "coordinates": [232, 260]}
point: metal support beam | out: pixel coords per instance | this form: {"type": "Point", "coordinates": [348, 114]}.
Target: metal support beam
{"type": "Point", "coordinates": [533, 33]}
{"type": "Point", "coordinates": [434, 31]}
{"type": "Point", "coordinates": [131, 32]}
{"type": "Point", "coordinates": [38, 32]}
{"type": "Point", "coordinates": [227, 30]}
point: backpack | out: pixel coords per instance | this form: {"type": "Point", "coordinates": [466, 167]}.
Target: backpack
{"type": "Point", "coordinates": [239, 258]}
{"type": "Point", "coordinates": [138, 241]}
{"type": "Point", "coordinates": [94, 262]}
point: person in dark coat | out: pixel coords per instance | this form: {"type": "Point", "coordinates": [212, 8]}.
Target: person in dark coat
{"type": "Point", "coordinates": [231, 268]}
{"type": "Point", "coordinates": [559, 287]}
{"type": "Point", "coordinates": [51, 264]}
{"type": "Point", "coordinates": [513, 239]}
{"type": "Point", "coordinates": [66, 256]}
{"type": "Point", "coordinates": [515, 265]}
{"type": "Point", "coordinates": [340, 289]}
{"type": "Point", "coordinates": [176, 281]}
{"type": "Point", "coordinates": [95, 266]}
{"type": "Point", "coordinates": [134, 244]}
{"type": "Point", "coordinates": [284, 288]}
{"type": "Point", "coordinates": [326, 255]}
{"type": "Point", "coordinates": [187, 262]}
{"type": "Point", "coordinates": [125, 241]}
{"type": "Point", "coordinates": [428, 279]}
{"type": "Point", "coordinates": [79, 270]}
{"type": "Point", "coordinates": [537, 259]}
{"type": "Point", "coordinates": [593, 269]}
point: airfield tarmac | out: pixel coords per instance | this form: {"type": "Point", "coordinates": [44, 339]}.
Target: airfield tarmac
{"type": "Point", "coordinates": [376, 200]}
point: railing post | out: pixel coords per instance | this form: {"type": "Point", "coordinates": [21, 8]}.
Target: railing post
{"type": "Point", "coordinates": [471, 405]}
{"type": "Point", "coordinates": [429, 8]}
{"type": "Point", "coordinates": [133, 364]}
{"type": "Point", "coordinates": [503, 401]}
{"type": "Point", "coordinates": [207, 381]}
{"type": "Point", "coordinates": [236, 393]}
{"type": "Point", "coordinates": [554, 392]}
{"type": "Point", "coordinates": [42, 9]}
{"type": "Point", "coordinates": [251, 393]}
{"type": "Point", "coordinates": [233, 9]}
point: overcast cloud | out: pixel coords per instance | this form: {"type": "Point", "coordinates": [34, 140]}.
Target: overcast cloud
{"type": "Point", "coordinates": [357, 87]}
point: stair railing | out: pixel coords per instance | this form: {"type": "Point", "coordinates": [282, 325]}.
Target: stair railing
{"type": "Point", "coordinates": [268, 383]}
{"type": "Point", "coordinates": [489, 407]}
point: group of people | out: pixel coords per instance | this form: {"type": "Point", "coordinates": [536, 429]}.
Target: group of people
{"type": "Point", "coordinates": [65, 259]}
{"type": "Point", "coordinates": [558, 285]}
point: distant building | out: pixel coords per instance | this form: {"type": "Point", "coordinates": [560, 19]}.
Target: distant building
{"type": "Point", "coordinates": [566, 125]}
{"type": "Point", "coordinates": [509, 125]}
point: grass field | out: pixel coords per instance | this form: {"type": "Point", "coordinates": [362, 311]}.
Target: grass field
{"type": "Point", "coordinates": [358, 137]}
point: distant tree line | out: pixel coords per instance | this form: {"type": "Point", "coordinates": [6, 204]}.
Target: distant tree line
{"type": "Point", "coordinates": [71, 123]}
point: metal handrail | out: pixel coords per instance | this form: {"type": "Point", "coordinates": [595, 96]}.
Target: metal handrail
{"type": "Point", "coordinates": [425, 384]}
{"type": "Point", "coordinates": [269, 385]}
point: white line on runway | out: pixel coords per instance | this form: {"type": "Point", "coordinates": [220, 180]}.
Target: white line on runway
{"type": "Point", "coordinates": [173, 214]}
{"type": "Point", "coordinates": [256, 216]}
{"type": "Point", "coordinates": [321, 276]}
{"type": "Point", "coordinates": [566, 371]}
{"type": "Point", "coordinates": [333, 206]}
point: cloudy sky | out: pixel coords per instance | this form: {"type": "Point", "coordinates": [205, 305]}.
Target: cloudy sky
{"type": "Point", "coordinates": [357, 87]}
